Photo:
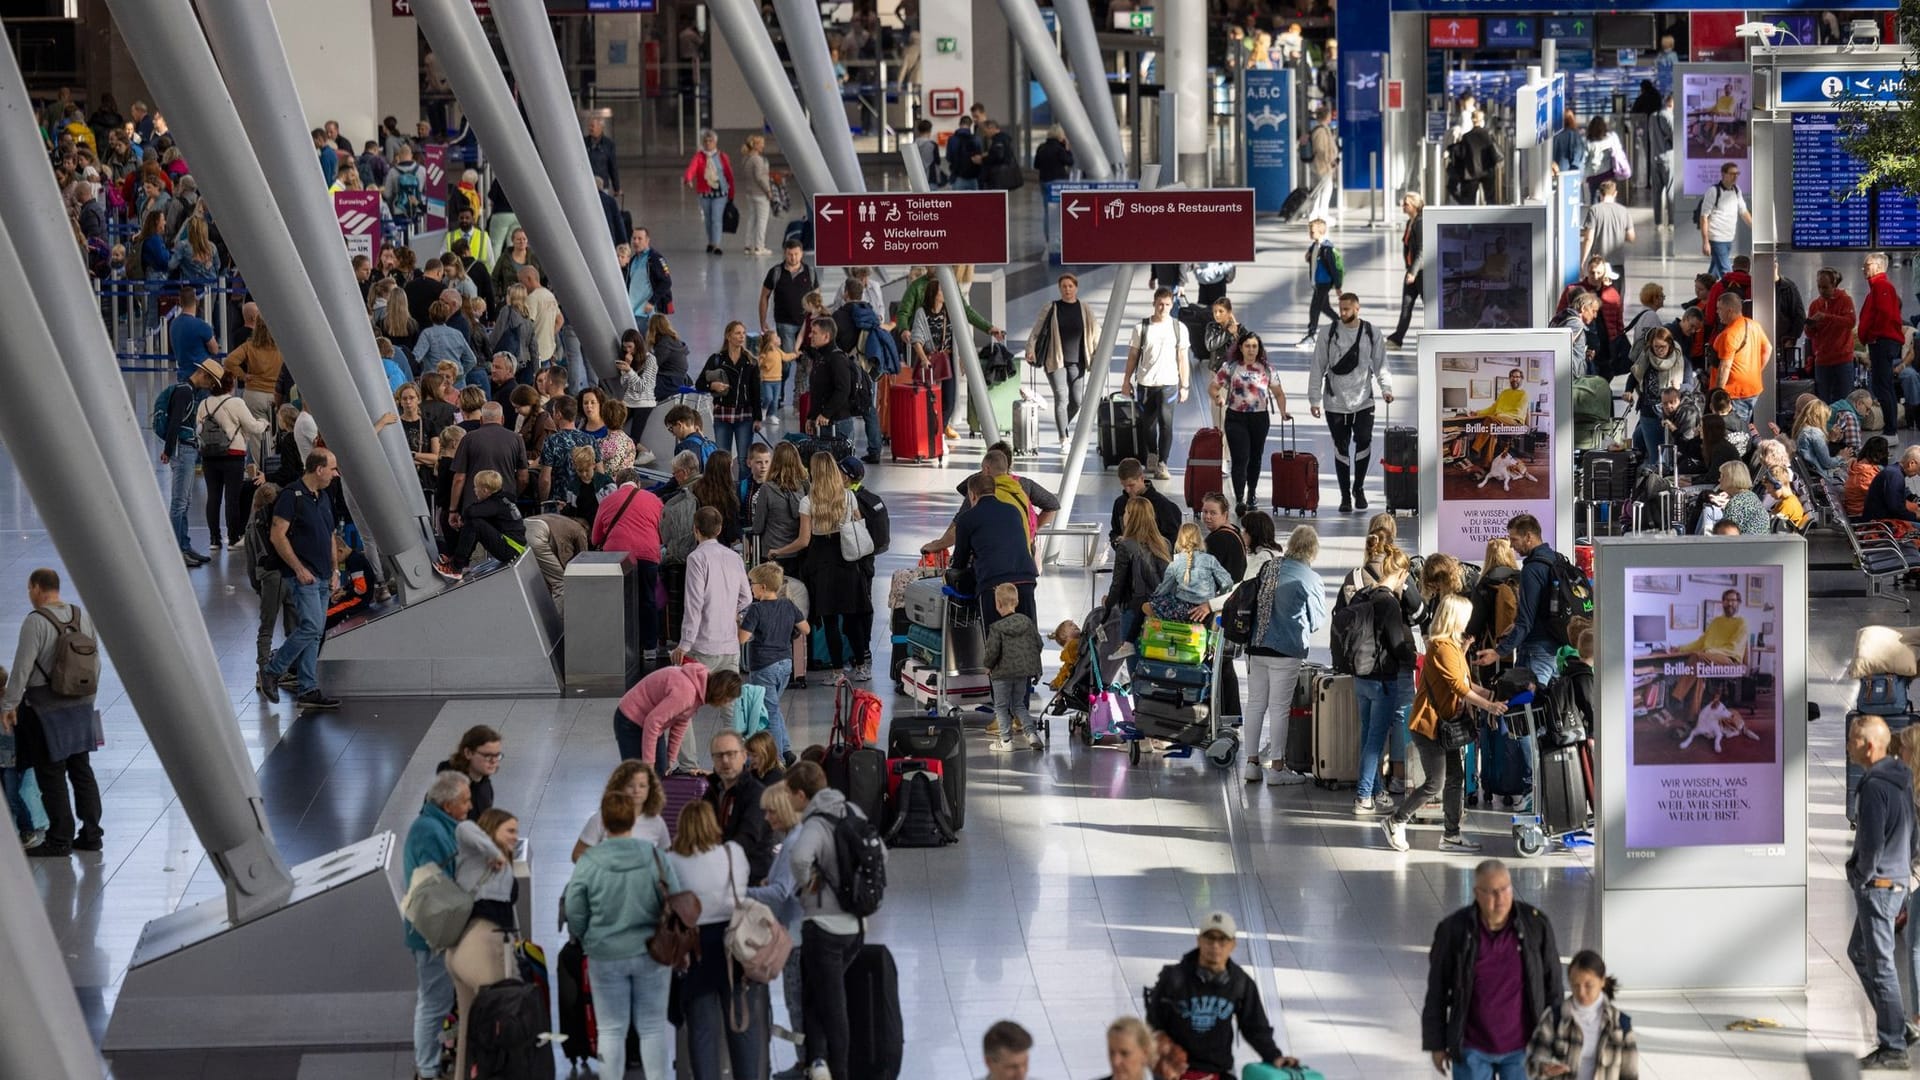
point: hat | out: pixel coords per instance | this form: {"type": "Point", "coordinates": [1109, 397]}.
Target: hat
{"type": "Point", "coordinates": [1219, 922]}
{"type": "Point", "coordinates": [212, 370]}
{"type": "Point", "coordinates": [854, 468]}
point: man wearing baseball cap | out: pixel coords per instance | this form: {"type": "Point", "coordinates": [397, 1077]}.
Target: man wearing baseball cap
{"type": "Point", "coordinates": [1196, 1002]}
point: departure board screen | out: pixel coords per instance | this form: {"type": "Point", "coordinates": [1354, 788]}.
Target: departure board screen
{"type": "Point", "coordinates": [1823, 173]}
{"type": "Point", "coordinates": [1896, 219]}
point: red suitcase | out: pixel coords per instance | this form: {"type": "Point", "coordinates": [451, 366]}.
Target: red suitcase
{"type": "Point", "coordinates": [1296, 474]}
{"type": "Point", "coordinates": [914, 426]}
{"type": "Point", "coordinates": [1206, 461]}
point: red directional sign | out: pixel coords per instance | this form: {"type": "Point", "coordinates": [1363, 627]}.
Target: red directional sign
{"type": "Point", "coordinates": [1452, 32]}
{"type": "Point", "coordinates": [910, 229]}
{"type": "Point", "coordinates": [1156, 226]}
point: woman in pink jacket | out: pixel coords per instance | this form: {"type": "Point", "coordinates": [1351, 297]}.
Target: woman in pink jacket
{"type": "Point", "coordinates": [711, 174]}
{"type": "Point", "coordinates": [663, 703]}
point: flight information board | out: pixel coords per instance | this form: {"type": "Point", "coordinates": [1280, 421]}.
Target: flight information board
{"type": "Point", "coordinates": [1896, 219]}
{"type": "Point", "coordinates": [1823, 172]}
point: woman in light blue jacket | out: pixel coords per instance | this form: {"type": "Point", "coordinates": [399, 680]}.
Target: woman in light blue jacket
{"type": "Point", "coordinates": [442, 342]}
{"type": "Point", "coordinates": [613, 907]}
{"type": "Point", "coordinates": [783, 896]}
{"type": "Point", "coordinates": [1292, 607]}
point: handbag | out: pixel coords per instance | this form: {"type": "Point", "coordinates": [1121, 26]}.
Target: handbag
{"type": "Point", "coordinates": [1038, 348]}
{"type": "Point", "coordinates": [675, 943]}
{"type": "Point", "coordinates": [1458, 731]}
{"type": "Point", "coordinates": [438, 908]}
{"type": "Point", "coordinates": [856, 542]}
{"type": "Point", "coordinates": [730, 218]}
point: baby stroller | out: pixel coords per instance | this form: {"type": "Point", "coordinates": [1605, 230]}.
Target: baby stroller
{"type": "Point", "coordinates": [1102, 658]}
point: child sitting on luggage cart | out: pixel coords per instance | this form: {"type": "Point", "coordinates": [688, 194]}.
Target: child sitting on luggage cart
{"type": "Point", "coordinates": [1192, 578]}
{"type": "Point", "coordinates": [1012, 657]}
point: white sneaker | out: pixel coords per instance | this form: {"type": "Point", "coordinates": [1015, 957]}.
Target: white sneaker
{"type": "Point", "coordinates": [819, 1071]}
{"type": "Point", "coordinates": [1001, 746]}
{"type": "Point", "coordinates": [1251, 770]}
{"type": "Point", "coordinates": [1034, 742]}
{"type": "Point", "coordinates": [1396, 834]}
{"type": "Point", "coordinates": [1285, 777]}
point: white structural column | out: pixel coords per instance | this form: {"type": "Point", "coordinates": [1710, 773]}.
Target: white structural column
{"type": "Point", "coordinates": [739, 23]}
{"type": "Point", "coordinates": [1090, 79]}
{"type": "Point", "coordinates": [1043, 57]}
{"type": "Point", "coordinates": [806, 40]}
{"type": "Point", "coordinates": [1184, 72]}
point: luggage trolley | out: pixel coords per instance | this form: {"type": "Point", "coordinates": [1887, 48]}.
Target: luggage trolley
{"type": "Point", "coordinates": [1534, 830]}
{"type": "Point", "coordinates": [1183, 708]}
{"type": "Point", "coordinates": [945, 672]}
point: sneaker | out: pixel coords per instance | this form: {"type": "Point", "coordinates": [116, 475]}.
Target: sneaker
{"type": "Point", "coordinates": [50, 851]}
{"type": "Point", "coordinates": [1366, 806]}
{"type": "Point", "coordinates": [1393, 342]}
{"type": "Point", "coordinates": [1459, 842]}
{"type": "Point", "coordinates": [1160, 472]}
{"type": "Point", "coordinates": [1001, 746]}
{"type": "Point", "coordinates": [1346, 504]}
{"type": "Point", "coordinates": [819, 1071]}
{"type": "Point", "coordinates": [1913, 1033]}
{"type": "Point", "coordinates": [290, 681]}
{"type": "Point", "coordinates": [445, 568]}
{"type": "Point", "coordinates": [1359, 500]}
{"type": "Point", "coordinates": [1305, 340]}
{"type": "Point", "coordinates": [193, 557]}
{"type": "Point", "coordinates": [314, 699]}
{"type": "Point", "coordinates": [268, 686]}
{"type": "Point", "coordinates": [1285, 777]}
{"type": "Point", "coordinates": [1396, 834]}
{"type": "Point", "coordinates": [89, 845]}
{"type": "Point", "coordinates": [871, 457]}
{"type": "Point", "coordinates": [33, 838]}
{"type": "Point", "coordinates": [1885, 1057]}
{"type": "Point", "coordinates": [1035, 742]}
{"type": "Point", "coordinates": [863, 671]}
{"type": "Point", "coordinates": [1251, 770]}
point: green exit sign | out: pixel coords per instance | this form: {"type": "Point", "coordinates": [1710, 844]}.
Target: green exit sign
{"type": "Point", "coordinates": [946, 45]}
{"type": "Point", "coordinates": [1138, 21]}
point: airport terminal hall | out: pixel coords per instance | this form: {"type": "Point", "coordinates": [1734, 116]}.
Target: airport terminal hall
{"type": "Point", "coordinates": [883, 540]}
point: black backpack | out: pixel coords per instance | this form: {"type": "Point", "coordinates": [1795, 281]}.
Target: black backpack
{"type": "Point", "coordinates": [920, 816]}
{"type": "Point", "coordinates": [503, 1032]}
{"type": "Point", "coordinates": [860, 864]}
{"type": "Point", "coordinates": [1356, 635]}
{"type": "Point", "coordinates": [1564, 722]}
{"type": "Point", "coordinates": [1569, 596]}
{"type": "Point", "coordinates": [1240, 612]}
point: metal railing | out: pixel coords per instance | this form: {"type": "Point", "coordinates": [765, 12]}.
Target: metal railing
{"type": "Point", "coordinates": [139, 316]}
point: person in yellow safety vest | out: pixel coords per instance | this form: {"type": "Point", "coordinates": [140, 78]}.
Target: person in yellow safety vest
{"type": "Point", "coordinates": [479, 245]}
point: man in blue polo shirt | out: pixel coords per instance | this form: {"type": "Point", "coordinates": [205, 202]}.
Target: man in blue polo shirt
{"type": "Point", "coordinates": [190, 336]}
{"type": "Point", "coordinates": [303, 539]}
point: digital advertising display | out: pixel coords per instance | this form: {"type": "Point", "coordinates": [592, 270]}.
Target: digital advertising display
{"type": "Point", "coordinates": [1717, 109]}
{"type": "Point", "coordinates": [1494, 412]}
{"type": "Point", "coordinates": [1486, 275]}
{"type": "Point", "coordinates": [1705, 754]}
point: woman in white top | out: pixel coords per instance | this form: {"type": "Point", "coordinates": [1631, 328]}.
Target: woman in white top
{"type": "Point", "coordinates": [224, 416]}
{"type": "Point", "coordinates": [1606, 158]}
{"type": "Point", "coordinates": [715, 995]}
{"type": "Point", "coordinates": [637, 779]}
{"type": "Point", "coordinates": [483, 866]}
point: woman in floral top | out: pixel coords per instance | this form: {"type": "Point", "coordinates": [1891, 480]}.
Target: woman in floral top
{"type": "Point", "coordinates": [616, 448]}
{"type": "Point", "coordinates": [1250, 390]}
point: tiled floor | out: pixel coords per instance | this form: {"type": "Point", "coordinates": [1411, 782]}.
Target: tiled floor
{"type": "Point", "coordinates": [1078, 876]}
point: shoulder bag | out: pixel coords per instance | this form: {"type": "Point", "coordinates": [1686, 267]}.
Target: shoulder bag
{"type": "Point", "coordinates": [856, 542]}
{"type": "Point", "coordinates": [675, 943]}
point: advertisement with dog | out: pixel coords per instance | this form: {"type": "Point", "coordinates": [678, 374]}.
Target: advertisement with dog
{"type": "Point", "coordinates": [1705, 755]}
{"type": "Point", "coordinates": [1495, 414]}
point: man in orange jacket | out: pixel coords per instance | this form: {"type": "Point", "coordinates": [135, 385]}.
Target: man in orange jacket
{"type": "Point", "coordinates": [1740, 354]}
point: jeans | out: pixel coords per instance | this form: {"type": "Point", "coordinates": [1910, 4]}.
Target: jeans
{"type": "Point", "coordinates": [1067, 381]}
{"type": "Point", "coordinates": [182, 464]}
{"type": "Point", "coordinates": [712, 208]}
{"type": "Point", "coordinates": [631, 994]}
{"type": "Point", "coordinates": [1662, 180]}
{"type": "Point", "coordinates": [430, 1008]}
{"type": "Point", "coordinates": [1913, 950]}
{"type": "Point", "coordinates": [1743, 410]}
{"type": "Point", "coordinates": [788, 333]}
{"type": "Point", "coordinates": [228, 490]}
{"type": "Point", "coordinates": [1871, 950]}
{"type": "Point", "coordinates": [1831, 382]}
{"type": "Point", "coordinates": [1270, 687]}
{"type": "Point", "coordinates": [1480, 1065]}
{"type": "Point", "coordinates": [1539, 655]}
{"type": "Point", "coordinates": [1445, 771]}
{"type": "Point", "coordinates": [301, 651]}
{"type": "Point", "coordinates": [1381, 710]}
{"type": "Point", "coordinates": [735, 437]}
{"type": "Point", "coordinates": [1719, 257]}
{"type": "Point", "coordinates": [1156, 420]}
{"type": "Point", "coordinates": [824, 960]}
{"type": "Point", "coordinates": [1881, 356]}
{"type": "Point", "coordinates": [709, 1019]}
{"type": "Point", "coordinates": [770, 398]}
{"type": "Point", "coordinates": [1010, 706]}
{"type": "Point", "coordinates": [844, 429]}
{"type": "Point", "coordinates": [775, 677]}
{"type": "Point", "coordinates": [1246, 444]}
{"type": "Point", "coordinates": [23, 798]}
{"type": "Point", "coordinates": [646, 614]}
{"type": "Point", "coordinates": [961, 183]}
{"type": "Point", "coordinates": [1647, 437]}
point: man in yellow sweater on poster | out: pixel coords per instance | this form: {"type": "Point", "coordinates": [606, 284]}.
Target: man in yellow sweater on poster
{"type": "Point", "coordinates": [1509, 408]}
{"type": "Point", "coordinates": [1723, 642]}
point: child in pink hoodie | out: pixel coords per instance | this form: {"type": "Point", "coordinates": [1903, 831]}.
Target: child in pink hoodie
{"type": "Point", "coordinates": [664, 702]}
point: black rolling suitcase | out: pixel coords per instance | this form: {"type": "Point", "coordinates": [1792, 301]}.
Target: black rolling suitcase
{"type": "Point", "coordinates": [1295, 203]}
{"type": "Point", "coordinates": [1120, 431]}
{"type": "Point", "coordinates": [876, 1038]}
{"type": "Point", "coordinates": [942, 739]}
{"type": "Point", "coordinates": [1563, 790]}
{"type": "Point", "coordinates": [1400, 466]}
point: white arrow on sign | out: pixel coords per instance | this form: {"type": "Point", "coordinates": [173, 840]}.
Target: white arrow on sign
{"type": "Point", "coordinates": [1453, 28]}
{"type": "Point", "coordinates": [1076, 209]}
{"type": "Point", "coordinates": [828, 212]}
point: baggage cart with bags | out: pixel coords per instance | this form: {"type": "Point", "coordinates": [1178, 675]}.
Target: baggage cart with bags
{"type": "Point", "coordinates": [1160, 710]}
{"type": "Point", "coordinates": [953, 677]}
{"type": "Point", "coordinates": [1296, 474]}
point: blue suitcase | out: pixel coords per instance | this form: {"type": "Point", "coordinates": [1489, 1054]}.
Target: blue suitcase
{"type": "Point", "coordinates": [1503, 763]}
{"type": "Point", "coordinates": [1166, 671]}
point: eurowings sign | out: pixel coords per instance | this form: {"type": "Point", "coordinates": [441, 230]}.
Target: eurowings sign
{"type": "Point", "coordinates": [1874, 86]}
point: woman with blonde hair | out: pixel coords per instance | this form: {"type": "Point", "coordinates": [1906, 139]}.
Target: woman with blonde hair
{"type": "Point", "coordinates": [1131, 1051]}
{"type": "Point", "coordinates": [837, 587]}
{"type": "Point", "coordinates": [257, 363]}
{"type": "Point", "coordinates": [1496, 597]}
{"type": "Point", "coordinates": [759, 191]}
{"type": "Point", "coordinates": [513, 327]}
{"type": "Point", "coordinates": [399, 326]}
{"type": "Point", "coordinates": [777, 802]}
{"type": "Point", "coordinates": [1810, 438]}
{"type": "Point", "coordinates": [714, 990]}
{"type": "Point", "coordinates": [1140, 560]}
{"type": "Point", "coordinates": [1444, 687]}
{"type": "Point", "coordinates": [196, 262]}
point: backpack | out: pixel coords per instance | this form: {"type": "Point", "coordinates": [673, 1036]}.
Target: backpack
{"type": "Point", "coordinates": [504, 1028]}
{"type": "Point", "coordinates": [1241, 610]}
{"type": "Point", "coordinates": [921, 817]}
{"type": "Point", "coordinates": [410, 194]}
{"type": "Point", "coordinates": [860, 864]}
{"type": "Point", "coordinates": [757, 940]}
{"type": "Point", "coordinates": [163, 409]}
{"type": "Point", "coordinates": [1356, 637]}
{"type": "Point", "coordinates": [1565, 720]}
{"type": "Point", "coordinates": [700, 445]}
{"type": "Point", "coordinates": [1215, 273]}
{"type": "Point", "coordinates": [1569, 596]}
{"type": "Point", "coordinates": [259, 547]}
{"type": "Point", "coordinates": [75, 671]}
{"type": "Point", "coordinates": [214, 440]}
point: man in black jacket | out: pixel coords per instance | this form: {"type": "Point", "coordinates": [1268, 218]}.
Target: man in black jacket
{"type": "Point", "coordinates": [1197, 1001]}
{"type": "Point", "coordinates": [833, 379]}
{"type": "Point", "coordinates": [1493, 969]}
{"type": "Point", "coordinates": [1878, 871]}
{"type": "Point", "coordinates": [735, 794]}
{"type": "Point", "coordinates": [1135, 485]}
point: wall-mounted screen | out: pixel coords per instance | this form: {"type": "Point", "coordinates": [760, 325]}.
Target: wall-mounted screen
{"type": "Point", "coordinates": [1623, 31]}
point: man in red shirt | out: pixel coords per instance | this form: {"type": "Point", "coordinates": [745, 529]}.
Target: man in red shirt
{"type": "Point", "coordinates": [1830, 320]}
{"type": "Point", "coordinates": [1881, 333]}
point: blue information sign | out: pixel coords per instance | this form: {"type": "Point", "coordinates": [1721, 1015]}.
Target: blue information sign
{"type": "Point", "coordinates": [1883, 86]}
{"type": "Point", "coordinates": [1896, 217]}
{"type": "Point", "coordinates": [1571, 211]}
{"type": "Point", "coordinates": [1574, 28]}
{"type": "Point", "coordinates": [1826, 213]}
{"type": "Point", "coordinates": [1521, 32]}
{"type": "Point", "coordinates": [1269, 137]}
{"type": "Point", "coordinates": [1361, 136]}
